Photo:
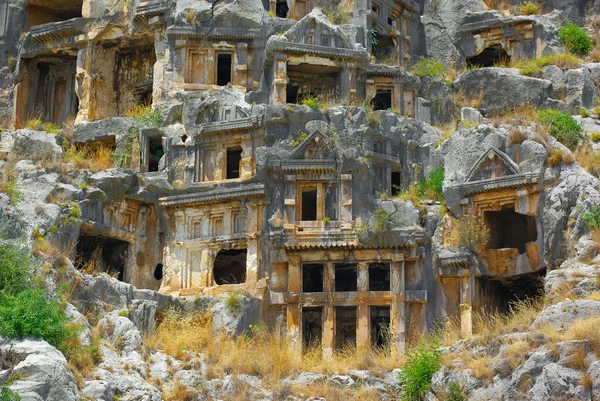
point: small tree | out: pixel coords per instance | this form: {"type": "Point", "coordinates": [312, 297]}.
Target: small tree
{"type": "Point", "coordinates": [470, 231]}
{"type": "Point", "coordinates": [421, 363]}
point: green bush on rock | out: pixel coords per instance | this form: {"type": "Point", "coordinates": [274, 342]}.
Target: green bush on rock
{"type": "Point", "coordinates": [562, 126]}
{"type": "Point", "coordinates": [576, 39]}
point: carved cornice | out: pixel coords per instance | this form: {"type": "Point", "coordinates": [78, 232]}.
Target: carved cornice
{"type": "Point", "coordinates": [244, 124]}
{"type": "Point", "coordinates": [177, 32]}
{"type": "Point", "coordinates": [292, 166]}
{"type": "Point", "coordinates": [214, 196]}
{"type": "Point", "coordinates": [493, 184]}
{"type": "Point", "coordinates": [282, 46]}
{"type": "Point", "coordinates": [151, 9]}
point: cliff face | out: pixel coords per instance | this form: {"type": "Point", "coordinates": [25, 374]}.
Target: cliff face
{"type": "Point", "coordinates": [279, 200]}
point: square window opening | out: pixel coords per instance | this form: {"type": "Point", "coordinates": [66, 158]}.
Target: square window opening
{"type": "Point", "coordinates": [312, 278]}
{"type": "Point", "coordinates": [224, 67]}
{"type": "Point", "coordinates": [281, 9]}
{"type": "Point", "coordinates": [309, 204]}
{"type": "Point", "coordinates": [396, 183]}
{"type": "Point", "coordinates": [379, 277]}
{"type": "Point", "coordinates": [234, 159]}
{"type": "Point", "coordinates": [155, 152]}
{"type": "Point", "coordinates": [382, 100]}
{"type": "Point", "coordinates": [380, 326]}
{"type": "Point", "coordinates": [312, 327]}
{"type": "Point", "coordinates": [346, 277]}
{"type": "Point", "coordinates": [345, 326]}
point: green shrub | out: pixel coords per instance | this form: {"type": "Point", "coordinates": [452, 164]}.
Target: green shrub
{"type": "Point", "coordinates": [233, 302]}
{"type": "Point", "coordinates": [14, 271]}
{"type": "Point", "coordinates": [595, 136]}
{"type": "Point", "coordinates": [456, 392]}
{"type": "Point", "coordinates": [421, 363]}
{"type": "Point", "coordinates": [30, 314]}
{"type": "Point", "coordinates": [7, 395]}
{"type": "Point", "coordinates": [529, 8]}
{"type": "Point", "coordinates": [373, 119]}
{"type": "Point", "coordinates": [591, 218]}
{"type": "Point", "coordinates": [312, 102]}
{"type": "Point", "coordinates": [584, 113]}
{"type": "Point", "coordinates": [382, 221]}
{"type": "Point", "coordinates": [562, 126]}
{"type": "Point", "coordinates": [434, 183]}
{"type": "Point", "coordinates": [428, 67]}
{"type": "Point", "coordinates": [576, 39]}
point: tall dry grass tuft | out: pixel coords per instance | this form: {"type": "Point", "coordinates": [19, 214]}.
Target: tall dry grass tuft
{"type": "Point", "coordinates": [488, 326]}
{"type": "Point", "coordinates": [95, 158]}
{"type": "Point", "coordinates": [585, 329]}
{"type": "Point", "coordinates": [263, 354]}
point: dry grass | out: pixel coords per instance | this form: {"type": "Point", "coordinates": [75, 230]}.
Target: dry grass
{"type": "Point", "coordinates": [261, 354]}
{"type": "Point", "coordinates": [517, 137]}
{"type": "Point", "coordinates": [555, 158]}
{"type": "Point", "coordinates": [180, 392]}
{"type": "Point", "coordinates": [586, 381]}
{"type": "Point", "coordinates": [588, 159]}
{"type": "Point", "coordinates": [517, 353]}
{"type": "Point", "coordinates": [473, 100]}
{"type": "Point", "coordinates": [577, 359]}
{"type": "Point", "coordinates": [488, 326]}
{"type": "Point", "coordinates": [585, 329]}
{"type": "Point", "coordinates": [516, 116]}
{"type": "Point", "coordinates": [95, 158]}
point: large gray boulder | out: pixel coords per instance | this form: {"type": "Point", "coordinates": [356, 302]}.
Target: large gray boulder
{"type": "Point", "coordinates": [502, 89]}
{"type": "Point", "coordinates": [235, 313]}
{"type": "Point", "coordinates": [107, 131]}
{"type": "Point", "coordinates": [558, 381]}
{"type": "Point", "coordinates": [115, 182]}
{"type": "Point", "coordinates": [36, 145]}
{"type": "Point", "coordinates": [563, 314]}
{"type": "Point", "coordinates": [42, 372]}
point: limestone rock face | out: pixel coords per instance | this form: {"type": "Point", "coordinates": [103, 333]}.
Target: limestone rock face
{"type": "Point", "coordinates": [234, 314]}
{"type": "Point", "coordinates": [36, 145]}
{"type": "Point", "coordinates": [42, 371]}
{"type": "Point", "coordinates": [563, 314]}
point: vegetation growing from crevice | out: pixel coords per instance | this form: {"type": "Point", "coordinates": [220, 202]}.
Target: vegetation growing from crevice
{"type": "Point", "coordinates": [534, 67]}
{"type": "Point", "coordinates": [429, 188]}
{"type": "Point", "coordinates": [144, 117]}
{"type": "Point", "coordinates": [421, 363]}
{"type": "Point", "coordinates": [562, 126]}
{"type": "Point", "coordinates": [591, 218]}
{"type": "Point", "coordinates": [470, 231]}
{"type": "Point", "coordinates": [428, 67]}
{"type": "Point", "coordinates": [576, 39]}
{"type": "Point", "coordinates": [336, 11]}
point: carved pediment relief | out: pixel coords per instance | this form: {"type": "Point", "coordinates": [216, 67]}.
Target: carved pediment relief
{"type": "Point", "coordinates": [491, 165]}
{"type": "Point", "coordinates": [315, 29]}
{"type": "Point", "coordinates": [315, 147]}
{"type": "Point", "coordinates": [214, 113]}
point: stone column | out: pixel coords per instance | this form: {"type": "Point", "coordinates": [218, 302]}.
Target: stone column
{"type": "Point", "coordinates": [348, 80]}
{"type": "Point", "coordinates": [241, 65]}
{"type": "Point", "coordinates": [289, 214]}
{"type": "Point", "coordinates": [280, 79]}
{"type": "Point", "coordinates": [346, 198]}
{"type": "Point", "coordinates": [363, 309]}
{"type": "Point", "coordinates": [328, 338]}
{"type": "Point", "coordinates": [370, 89]}
{"type": "Point", "coordinates": [293, 309]}
{"type": "Point", "coordinates": [466, 304]}
{"type": "Point", "coordinates": [397, 314]}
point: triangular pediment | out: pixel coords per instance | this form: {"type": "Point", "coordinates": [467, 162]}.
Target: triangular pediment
{"type": "Point", "coordinates": [316, 146]}
{"type": "Point", "coordinates": [316, 29]}
{"type": "Point", "coordinates": [492, 164]}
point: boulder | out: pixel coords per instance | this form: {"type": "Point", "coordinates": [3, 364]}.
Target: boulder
{"type": "Point", "coordinates": [42, 372]}
{"type": "Point", "coordinates": [502, 89]}
{"type": "Point", "coordinates": [115, 182]}
{"type": "Point", "coordinates": [36, 145]}
{"type": "Point", "coordinates": [558, 381]}
{"type": "Point", "coordinates": [235, 313]}
{"type": "Point", "coordinates": [563, 314]}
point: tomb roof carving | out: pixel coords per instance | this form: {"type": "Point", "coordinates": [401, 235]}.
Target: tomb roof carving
{"type": "Point", "coordinates": [214, 196]}
{"type": "Point", "coordinates": [493, 159]}
{"type": "Point", "coordinates": [201, 32]}
{"type": "Point", "coordinates": [151, 9]}
{"type": "Point", "coordinates": [314, 35]}
{"type": "Point", "coordinates": [226, 119]}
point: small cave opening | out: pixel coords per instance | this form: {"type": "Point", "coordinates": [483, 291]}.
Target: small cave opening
{"type": "Point", "coordinates": [489, 57]}
{"type": "Point", "coordinates": [379, 277]}
{"type": "Point", "coordinates": [230, 266]}
{"type": "Point", "coordinates": [158, 272]}
{"type": "Point", "coordinates": [234, 159]}
{"type": "Point", "coordinates": [346, 277]}
{"type": "Point", "coordinates": [98, 254]}
{"type": "Point", "coordinates": [291, 94]}
{"type": "Point", "coordinates": [379, 317]}
{"type": "Point", "coordinates": [382, 100]}
{"type": "Point", "coordinates": [312, 277]}
{"type": "Point", "coordinates": [345, 326]}
{"type": "Point", "coordinates": [155, 152]}
{"type": "Point", "coordinates": [224, 68]}
{"type": "Point", "coordinates": [312, 327]}
{"type": "Point", "coordinates": [281, 9]}
{"type": "Point", "coordinates": [499, 294]}
{"type": "Point", "coordinates": [509, 229]}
